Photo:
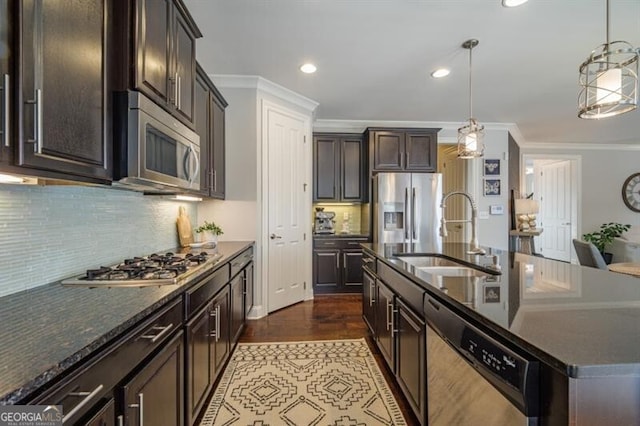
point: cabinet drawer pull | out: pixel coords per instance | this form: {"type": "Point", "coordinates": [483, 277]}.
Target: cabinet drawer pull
{"type": "Point", "coordinates": [156, 337]}
{"type": "Point", "coordinates": [216, 327]}
{"type": "Point", "coordinates": [371, 289]}
{"type": "Point", "coordinates": [88, 396]}
{"type": "Point", "coordinates": [140, 407]}
{"type": "Point", "coordinates": [5, 110]}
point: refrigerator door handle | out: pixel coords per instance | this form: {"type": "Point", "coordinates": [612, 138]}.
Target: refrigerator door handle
{"type": "Point", "coordinates": [413, 213]}
{"type": "Point", "coordinates": [406, 213]}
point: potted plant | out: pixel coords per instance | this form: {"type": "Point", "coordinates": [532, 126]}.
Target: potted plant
{"type": "Point", "coordinates": [602, 238]}
{"type": "Point", "coordinates": [210, 232]}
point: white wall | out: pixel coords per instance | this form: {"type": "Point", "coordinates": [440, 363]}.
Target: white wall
{"type": "Point", "coordinates": [238, 213]}
{"type": "Point", "coordinates": [604, 170]}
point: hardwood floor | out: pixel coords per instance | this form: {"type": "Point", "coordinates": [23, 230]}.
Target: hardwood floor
{"type": "Point", "coordinates": [327, 317]}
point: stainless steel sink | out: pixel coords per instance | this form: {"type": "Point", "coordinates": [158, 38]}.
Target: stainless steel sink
{"type": "Point", "coordinates": [440, 266]}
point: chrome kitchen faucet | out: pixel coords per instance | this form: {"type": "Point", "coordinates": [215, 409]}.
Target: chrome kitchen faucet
{"type": "Point", "coordinates": [475, 249]}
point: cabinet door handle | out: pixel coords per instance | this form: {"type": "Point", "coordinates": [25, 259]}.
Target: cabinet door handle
{"type": "Point", "coordinates": [215, 180]}
{"type": "Point", "coordinates": [217, 323]}
{"type": "Point", "coordinates": [344, 260]}
{"type": "Point", "coordinates": [140, 407]}
{"type": "Point", "coordinates": [413, 212]}
{"type": "Point", "coordinates": [337, 262]}
{"type": "Point", "coordinates": [37, 122]}
{"type": "Point", "coordinates": [371, 289]}
{"type": "Point", "coordinates": [5, 110]}
{"type": "Point", "coordinates": [175, 90]}
{"type": "Point", "coordinates": [179, 101]}
{"type": "Point", "coordinates": [393, 325]}
{"type": "Point", "coordinates": [388, 320]}
{"type": "Point", "coordinates": [88, 396]}
{"type": "Point", "coordinates": [120, 420]}
{"type": "Point", "coordinates": [156, 337]}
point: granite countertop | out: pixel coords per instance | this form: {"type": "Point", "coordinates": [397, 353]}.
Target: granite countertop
{"type": "Point", "coordinates": [48, 330]}
{"type": "Point", "coordinates": [583, 321]}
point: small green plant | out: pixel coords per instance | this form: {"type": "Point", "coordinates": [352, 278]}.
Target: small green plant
{"type": "Point", "coordinates": [209, 227]}
{"type": "Point", "coordinates": [608, 231]}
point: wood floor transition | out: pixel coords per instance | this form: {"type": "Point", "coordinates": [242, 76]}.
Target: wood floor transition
{"type": "Point", "coordinates": [327, 317]}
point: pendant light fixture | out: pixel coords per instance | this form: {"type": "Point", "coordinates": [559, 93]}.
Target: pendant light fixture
{"type": "Point", "coordinates": [609, 80]}
{"type": "Point", "coordinates": [471, 136]}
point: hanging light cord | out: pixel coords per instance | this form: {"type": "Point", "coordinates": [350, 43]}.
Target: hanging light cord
{"type": "Point", "coordinates": [470, 85]}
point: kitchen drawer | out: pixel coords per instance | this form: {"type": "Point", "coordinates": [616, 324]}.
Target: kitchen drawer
{"type": "Point", "coordinates": [339, 243]}
{"type": "Point", "coordinates": [369, 263]}
{"type": "Point", "coordinates": [411, 293]}
{"type": "Point", "coordinates": [202, 292]}
{"type": "Point", "coordinates": [239, 262]}
{"type": "Point", "coordinates": [94, 381]}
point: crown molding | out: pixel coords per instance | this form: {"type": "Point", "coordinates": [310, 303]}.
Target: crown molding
{"type": "Point", "coordinates": [255, 82]}
{"type": "Point", "coordinates": [546, 146]}
{"type": "Point", "coordinates": [358, 126]}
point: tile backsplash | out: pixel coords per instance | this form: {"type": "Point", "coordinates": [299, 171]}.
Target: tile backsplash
{"type": "Point", "coordinates": [48, 233]}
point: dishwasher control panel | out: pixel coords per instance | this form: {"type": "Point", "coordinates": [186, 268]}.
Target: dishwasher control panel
{"type": "Point", "coordinates": [502, 362]}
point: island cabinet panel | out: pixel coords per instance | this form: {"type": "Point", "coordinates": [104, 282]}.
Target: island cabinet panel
{"type": "Point", "coordinates": [63, 98]}
{"type": "Point", "coordinates": [385, 326]}
{"type": "Point", "coordinates": [411, 358]}
{"type": "Point", "coordinates": [339, 168]}
{"type": "Point", "coordinates": [369, 300]}
{"type": "Point", "coordinates": [237, 307]}
{"type": "Point", "coordinates": [399, 150]}
{"type": "Point", "coordinates": [199, 362]}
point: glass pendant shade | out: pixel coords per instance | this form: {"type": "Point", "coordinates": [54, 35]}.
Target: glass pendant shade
{"type": "Point", "coordinates": [609, 80]}
{"type": "Point", "coordinates": [471, 140]}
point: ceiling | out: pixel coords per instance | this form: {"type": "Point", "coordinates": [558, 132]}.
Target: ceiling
{"type": "Point", "coordinates": [374, 58]}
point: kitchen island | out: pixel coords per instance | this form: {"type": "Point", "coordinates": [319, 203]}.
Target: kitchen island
{"type": "Point", "coordinates": [52, 331]}
{"type": "Point", "coordinates": [582, 325]}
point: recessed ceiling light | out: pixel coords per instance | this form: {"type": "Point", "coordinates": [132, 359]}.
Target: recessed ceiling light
{"type": "Point", "coordinates": [308, 68]}
{"type": "Point", "coordinates": [513, 3]}
{"type": "Point", "coordinates": [440, 72]}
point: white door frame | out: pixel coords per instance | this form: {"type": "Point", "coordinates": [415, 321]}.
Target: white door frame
{"type": "Point", "coordinates": [576, 178]}
{"type": "Point", "coordinates": [263, 195]}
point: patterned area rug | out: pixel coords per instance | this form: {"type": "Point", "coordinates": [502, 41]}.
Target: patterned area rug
{"type": "Point", "coordinates": [335, 383]}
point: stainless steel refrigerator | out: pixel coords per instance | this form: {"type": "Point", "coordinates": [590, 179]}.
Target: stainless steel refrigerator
{"type": "Point", "coordinates": [406, 208]}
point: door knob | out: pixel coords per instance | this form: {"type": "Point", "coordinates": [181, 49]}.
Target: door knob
{"type": "Point", "coordinates": [275, 237]}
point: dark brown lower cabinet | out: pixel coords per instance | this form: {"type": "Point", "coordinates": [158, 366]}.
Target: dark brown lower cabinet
{"type": "Point", "coordinates": [199, 362]}
{"type": "Point", "coordinates": [385, 324]}
{"type": "Point", "coordinates": [248, 289]}
{"type": "Point", "coordinates": [337, 265]}
{"type": "Point", "coordinates": [237, 307]}
{"type": "Point", "coordinates": [369, 301]}
{"type": "Point", "coordinates": [411, 359]}
{"type": "Point", "coordinates": [105, 415]}
{"type": "Point", "coordinates": [155, 395]}
{"type": "Point", "coordinates": [220, 331]}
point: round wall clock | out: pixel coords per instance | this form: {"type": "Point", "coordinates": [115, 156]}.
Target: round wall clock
{"type": "Point", "coordinates": [631, 192]}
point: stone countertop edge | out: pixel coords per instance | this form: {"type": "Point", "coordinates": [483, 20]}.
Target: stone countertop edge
{"type": "Point", "coordinates": [59, 368]}
{"type": "Point", "coordinates": [567, 369]}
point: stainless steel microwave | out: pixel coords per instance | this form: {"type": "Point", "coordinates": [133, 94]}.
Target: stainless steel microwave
{"type": "Point", "coordinates": [153, 151]}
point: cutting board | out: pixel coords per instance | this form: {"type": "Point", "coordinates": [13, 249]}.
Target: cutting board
{"type": "Point", "coordinates": [185, 233]}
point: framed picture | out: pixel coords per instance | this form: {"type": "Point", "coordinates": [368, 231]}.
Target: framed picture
{"type": "Point", "coordinates": [492, 167]}
{"type": "Point", "coordinates": [491, 187]}
{"type": "Point", "coordinates": [491, 294]}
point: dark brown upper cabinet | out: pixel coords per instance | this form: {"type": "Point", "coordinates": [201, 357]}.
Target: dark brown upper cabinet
{"type": "Point", "coordinates": [164, 53]}
{"type": "Point", "coordinates": [411, 150]}
{"type": "Point", "coordinates": [210, 126]}
{"type": "Point", "coordinates": [55, 105]}
{"type": "Point", "coordinates": [339, 168]}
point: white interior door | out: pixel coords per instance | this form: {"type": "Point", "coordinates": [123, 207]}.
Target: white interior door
{"type": "Point", "coordinates": [286, 144]}
{"type": "Point", "coordinates": [555, 196]}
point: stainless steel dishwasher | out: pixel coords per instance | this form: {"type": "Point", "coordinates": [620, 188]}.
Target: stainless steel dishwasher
{"type": "Point", "coordinates": [472, 379]}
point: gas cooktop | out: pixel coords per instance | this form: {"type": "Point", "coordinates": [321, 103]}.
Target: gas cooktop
{"type": "Point", "coordinates": [153, 270]}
